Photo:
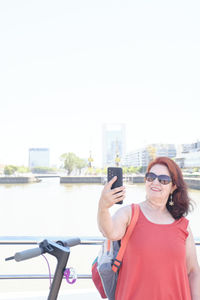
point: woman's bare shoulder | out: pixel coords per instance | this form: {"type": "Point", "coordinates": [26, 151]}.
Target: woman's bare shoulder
{"type": "Point", "coordinates": [124, 214]}
{"type": "Point", "coordinates": [121, 220]}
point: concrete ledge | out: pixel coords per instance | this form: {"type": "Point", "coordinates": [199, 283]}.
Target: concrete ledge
{"type": "Point", "coordinates": [193, 183]}
{"type": "Point", "coordinates": [82, 179]}
{"type": "Point", "coordinates": [137, 179]}
{"type": "Point", "coordinates": [18, 179]}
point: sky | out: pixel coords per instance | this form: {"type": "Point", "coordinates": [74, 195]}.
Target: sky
{"type": "Point", "coordinates": [68, 67]}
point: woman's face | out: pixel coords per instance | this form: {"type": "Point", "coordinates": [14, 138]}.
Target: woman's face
{"type": "Point", "coordinates": [155, 190]}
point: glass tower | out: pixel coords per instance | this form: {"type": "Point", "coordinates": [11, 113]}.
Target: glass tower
{"type": "Point", "coordinates": [38, 157]}
{"type": "Point", "coordinates": [113, 143]}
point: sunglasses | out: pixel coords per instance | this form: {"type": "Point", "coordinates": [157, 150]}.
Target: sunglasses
{"type": "Point", "coordinates": [163, 179]}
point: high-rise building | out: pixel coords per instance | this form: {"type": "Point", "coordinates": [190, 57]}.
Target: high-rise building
{"type": "Point", "coordinates": [38, 157]}
{"type": "Point", "coordinates": [189, 155]}
{"type": "Point", "coordinates": [141, 157]}
{"type": "Point", "coordinates": [137, 158]}
{"type": "Point", "coordinates": [168, 150]}
{"type": "Point", "coordinates": [114, 143]}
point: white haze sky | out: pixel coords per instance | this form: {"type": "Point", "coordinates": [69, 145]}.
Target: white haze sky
{"type": "Point", "coordinates": [67, 67]}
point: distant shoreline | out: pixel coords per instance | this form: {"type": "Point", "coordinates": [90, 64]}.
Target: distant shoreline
{"type": "Point", "coordinates": [192, 183]}
{"type": "Point", "coordinates": [18, 179]}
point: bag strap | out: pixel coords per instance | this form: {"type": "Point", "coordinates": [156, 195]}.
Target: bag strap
{"type": "Point", "coordinates": [124, 241]}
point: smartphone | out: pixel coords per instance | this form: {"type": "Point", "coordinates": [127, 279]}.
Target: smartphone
{"type": "Point", "coordinates": [115, 171]}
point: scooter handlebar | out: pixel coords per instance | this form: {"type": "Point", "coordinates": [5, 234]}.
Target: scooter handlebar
{"type": "Point", "coordinates": [30, 253]}
{"type": "Point", "coordinates": [70, 242]}
{"type": "Point", "coordinates": [26, 254]}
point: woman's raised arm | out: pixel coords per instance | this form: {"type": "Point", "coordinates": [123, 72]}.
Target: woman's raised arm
{"type": "Point", "coordinates": [114, 227]}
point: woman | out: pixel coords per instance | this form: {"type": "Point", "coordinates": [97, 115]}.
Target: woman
{"type": "Point", "coordinates": [160, 261]}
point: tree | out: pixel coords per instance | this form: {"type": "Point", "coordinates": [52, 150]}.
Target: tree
{"type": "Point", "coordinates": [104, 171]}
{"type": "Point", "coordinates": [80, 164]}
{"type": "Point", "coordinates": [43, 170]}
{"type": "Point", "coordinates": [23, 169]}
{"type": "Point", "coordinates": [10, 169]}
{"type": "Point", "coordinates": [141, 169]}
{"type": "Point", "coordinates": [98, 171]}
{"type": "Point", "coordinates": [125, 170]}
{"type": "Point", "coordinates": [132, 170]}
{"type": "Point", "coordinates": [71, 162]}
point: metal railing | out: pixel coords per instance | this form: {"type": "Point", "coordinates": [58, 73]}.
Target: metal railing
{"type": "Point", "coordinates": [34, 240]}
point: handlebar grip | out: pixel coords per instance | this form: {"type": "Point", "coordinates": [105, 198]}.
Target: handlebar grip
{"type": "Point", "coordinates": [26, 254]}
{"type": "Point", "coordinates": [70, 242]}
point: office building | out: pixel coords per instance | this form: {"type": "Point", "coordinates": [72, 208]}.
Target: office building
{"type": "Point", "coordinates": [189, 155]}
{"type": "Point", "coordinates": [113, 143]}
{"type": "Point", "coordinates": [141, 157]}
{"type": "Point", "coordinates": [191, 159]}
{"type": "Point", "coordinates": [137, 158]}
{"type": "Point", "coordinates": [168, 150]}
{"type": "Point", "coordinates": [38, 157]}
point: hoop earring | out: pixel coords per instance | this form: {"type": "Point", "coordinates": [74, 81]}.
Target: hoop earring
{"type": "Point", "coordinates": [171, 202]}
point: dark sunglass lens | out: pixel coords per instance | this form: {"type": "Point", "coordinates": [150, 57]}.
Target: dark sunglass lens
{"type": "Point", "coordinates": [164, 179]}
{"type": "Point", "coordinates": [150, 177]}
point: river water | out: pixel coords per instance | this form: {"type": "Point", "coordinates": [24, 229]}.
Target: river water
{"type": "Point", "coordinates": [49, 208]}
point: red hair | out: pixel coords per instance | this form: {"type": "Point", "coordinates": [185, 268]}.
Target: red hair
{"type": "Point", "coordinates": [180, 196]}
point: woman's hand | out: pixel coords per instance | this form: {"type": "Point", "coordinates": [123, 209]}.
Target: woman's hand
{"type": "Point", "coordinates": [113, 227]}
{"type": "Point", "coordinates": [111, 196]}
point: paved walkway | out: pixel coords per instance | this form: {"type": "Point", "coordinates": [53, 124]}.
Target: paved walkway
{"type": "Point", "coordinates": [75, 295]}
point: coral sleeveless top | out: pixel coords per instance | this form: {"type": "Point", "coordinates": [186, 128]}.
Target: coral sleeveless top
{"type": "Point", "coordinates": [154, 263]}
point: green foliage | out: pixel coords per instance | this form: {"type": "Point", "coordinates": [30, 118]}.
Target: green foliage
{"type": "Point", "coordinates": [23, 169]}
{"type": "Point", "coordinates": [69, 160]}
{"type": "Point", "coordinates": [98, 171]}
{"type": "Point", "coordinates": [90, 171]}
{"type": "Point", "coordinates": [104, 171]}
{"type": "Point", "coordinates": [43, 170]}
{"type": "Point", "coordinates": [80, 164]}
{"type": "Point", "coordinates": [10, 169]}
{"type": "Point", "coordinates": [72, 162]}
{"type": "Point", "coordinates": [125, 170]}
{"type": "Point", "coordinates": [132, 170]}
{"type": "Point", "coordinates": [141, 169]}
